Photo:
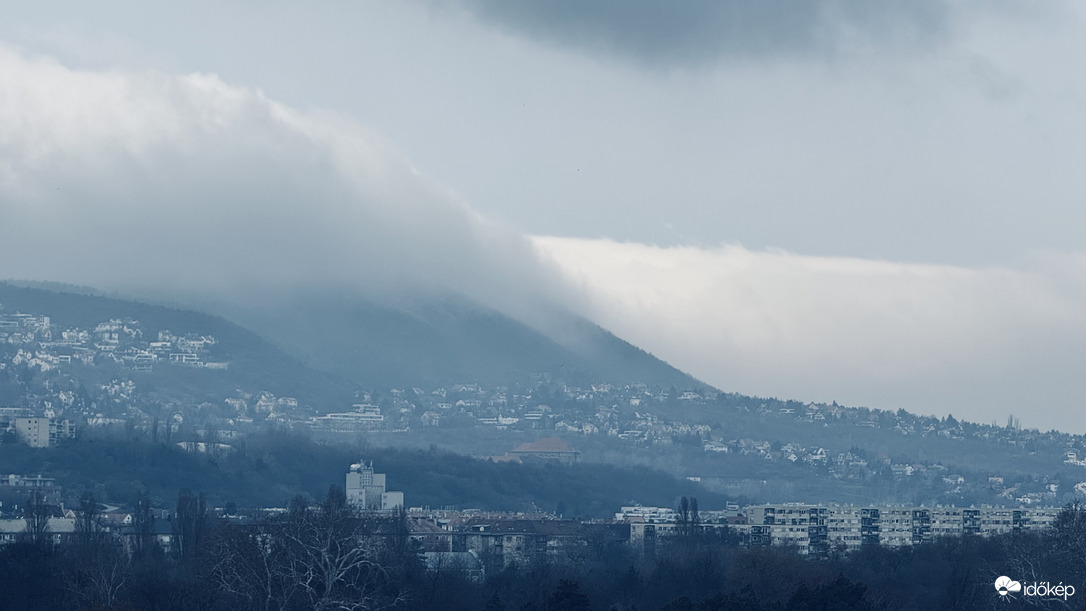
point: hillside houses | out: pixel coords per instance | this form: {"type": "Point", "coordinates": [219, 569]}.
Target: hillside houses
{"type": "Point", "coordinates": [119, 341]}
{"type": "Point", "coordinates": [47, 362]}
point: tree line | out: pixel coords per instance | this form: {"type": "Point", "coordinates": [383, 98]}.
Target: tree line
{"type": "Point", "coordinates": [330, 555]}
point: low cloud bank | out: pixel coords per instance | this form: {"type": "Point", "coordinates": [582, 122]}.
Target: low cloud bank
{"type": "Point", "coordinates": [183, 186]}
{"type": "Point", "coordinates": [935, 339]}
{"type": "Point", "coordinates": [189, 188]}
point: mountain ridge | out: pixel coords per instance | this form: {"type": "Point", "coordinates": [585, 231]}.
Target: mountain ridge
{"type": "Point", "coordinates": [362, 343]}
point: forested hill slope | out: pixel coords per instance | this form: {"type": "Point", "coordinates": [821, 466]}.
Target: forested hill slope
{"type": "Point", "coordinates": [436, 341]}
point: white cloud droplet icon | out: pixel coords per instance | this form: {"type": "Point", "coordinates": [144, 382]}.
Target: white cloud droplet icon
{"type": "Point", "coordinates": [1005, 585]}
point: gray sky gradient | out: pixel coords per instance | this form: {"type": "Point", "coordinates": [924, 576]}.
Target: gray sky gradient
{"type": "Point", "coordinates": [852, 153]}
{"type": "Point", "coordinates": [874, 203]}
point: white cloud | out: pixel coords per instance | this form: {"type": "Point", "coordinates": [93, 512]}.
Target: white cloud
{"type": "Point", "coordinates": [149, 182]}
{"type": "Point", "coordinates": [979, 343]}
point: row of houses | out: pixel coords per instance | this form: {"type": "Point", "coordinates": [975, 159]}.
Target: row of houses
{"type": "Point", "coordinates": [475, 543]}
{"type": "Point", "coordinates": [60, 527]}
{"type": "Point", "coordinates": [118, 340]}
{"type": "Point", "coordinates": [493, 542]}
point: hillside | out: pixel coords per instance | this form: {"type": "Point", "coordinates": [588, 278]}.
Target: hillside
{"type": "Point", "coordinates": [254, 363]}
{"type": "Point", "coordinates": [274, 466]}
{"type": "Point", "coordinates": [462, 378]}
{"type": "Point", "coordinates": [447, 340]}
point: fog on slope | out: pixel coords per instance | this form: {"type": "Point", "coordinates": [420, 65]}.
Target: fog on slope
{"type": "Point", "coordinates": [187, 188]}
{"type": "Point", "coordinates": [979, 343]}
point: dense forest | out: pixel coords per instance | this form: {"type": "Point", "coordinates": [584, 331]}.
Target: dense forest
{"type": "Point", "coordinates": [266, 470]}
{"type": "Point", "coordinates": [330, 556]}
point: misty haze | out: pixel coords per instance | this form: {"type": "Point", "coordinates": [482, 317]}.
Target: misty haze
{"type": "Point", "coordinates": [542, 305]}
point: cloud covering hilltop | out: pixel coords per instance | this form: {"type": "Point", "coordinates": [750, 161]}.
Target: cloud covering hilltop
{"type": "Point", "coordinates": [190, 188]}
{"type": "Point", "coordinates": [182, 186]}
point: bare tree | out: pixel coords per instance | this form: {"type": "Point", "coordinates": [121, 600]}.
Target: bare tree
{"type": "Point", "coordinates": [98, 566]}
{"type": "Point", "coordinates": [98, 572]}
{"type": "Point", "coordinates": [143, 522]}
{"type": "Point", "coordinates": [325, 557]}
{"type": "Point", "coordinates": [189, 524]}
{"type": "Point", "coordinates": [688, 521]}
{"type": "Point", "coordinates": [37, 514]}
{"type": "Point", "coordinates": [1058, 551]}
{"type": "Point", "coordinates": [249, 562]}
{"type": "Point", "coordinates": [695, 517]}
{"type": "Point", "coordinates": [332, 555]}
{"type": "Point", "coordinates": [87, 524]}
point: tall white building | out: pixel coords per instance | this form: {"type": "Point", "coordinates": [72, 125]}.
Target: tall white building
{"type": "Point", "coordinates": [366, 489]}
{"type": "Point", "coordinates": [42, 432]}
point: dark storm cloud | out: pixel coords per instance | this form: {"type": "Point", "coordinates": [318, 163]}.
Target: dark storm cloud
{"type": "Point", "coordinates": [703, 31]}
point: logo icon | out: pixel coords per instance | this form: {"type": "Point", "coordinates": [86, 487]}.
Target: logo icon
{"type": "Point", "coordinates": [1005, 585]}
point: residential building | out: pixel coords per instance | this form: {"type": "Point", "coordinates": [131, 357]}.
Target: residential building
{"type": "Point", "coordinates": [548, 449]}
{"type": "Point", "coordinates": [811, 529]}
{"type": "Point", "coordinates": [814, 529]}
{"type": "Point", "coordinates": [43, 432]}
{"type": "Point", "coordinates": [366, 489]}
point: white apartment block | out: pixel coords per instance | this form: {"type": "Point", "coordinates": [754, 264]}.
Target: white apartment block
{"type": "Point", "coordinates": [42, 432]}
{"type": "Point", "coordinates": [813, 529]}
{"type": "Point", "coordinates": [366, 489]}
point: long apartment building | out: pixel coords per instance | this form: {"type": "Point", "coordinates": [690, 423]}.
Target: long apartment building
{"type": "Point", "coordinates": [815, 529]}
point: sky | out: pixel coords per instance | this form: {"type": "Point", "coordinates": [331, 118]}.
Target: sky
{"type": "Point", "coordinates": [873, 203]}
